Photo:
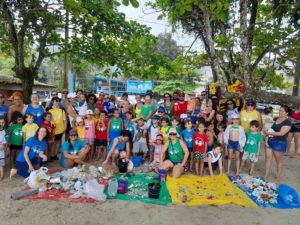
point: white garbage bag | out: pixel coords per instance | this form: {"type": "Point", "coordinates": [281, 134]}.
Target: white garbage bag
{"type": "Point", "coordinates": [37, 178]}
{"type": "Point", "coordinates": [94, 190]}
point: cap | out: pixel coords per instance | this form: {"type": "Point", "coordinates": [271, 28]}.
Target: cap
{"type": "Point", "coordinates": [172, 130]}
{"type": "Point", "coordinates": [161, 109]}
{"type": "Point", "coordinates": [73, 132]}
{"type": "Point", "coordinates": [79, 119]}
{"type": "Point", "coordinates": [89, 112]}
{"type": "Point", "coordinates": [159, 137]}
{"type": "Point", "coordinates": [235, 116]}
{"type": "Point", "coordinates": [72, 95]}
{"type": "Point", "coordinates": [155, 117]}
{"type": "Point", "coordinates": [183, 116]}
{"type": "Point", "coordinates": [250, 102]}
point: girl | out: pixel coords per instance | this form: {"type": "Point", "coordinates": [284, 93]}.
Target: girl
{"type": "Point", "coordinates": [164, 129]}
{"type": "Point", "coordinates": [200, 147]}
{"type": "Point", "coordinates": [187, 137]}
{"type": "Point", "coordinates": [158, 144]}
{"type": "Point", "coordinates": [96, 116]}
{"type": "Point", "coordinates": [267, 121]}
{"type": "Point", "coordinates": [80, 128]}
{"type": "Point", "coordinates": [89, 134]}
{"type": "Point", "coordinates": [197, 110]}
{"type": "Point", "coordinates": [50, 128]}
{"type": "Point", "coordinates": [101, 135]}
{"type": "Point", "coordinates": [115, 126]}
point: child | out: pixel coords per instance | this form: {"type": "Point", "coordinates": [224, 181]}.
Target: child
{"type": "Point", "coordinates": [220, 137]}
{"type": "Point", "coordinates": [128, 124]}
{"type": "Point", "coordinates": [210, 134]}
{"type": "Point", "coordinates": [115, 126]}
{"type": "Point", "coordinates": [80, 128]}
{"type": "Point", "coordinates": [108, 106]}
{"type": "Point", "coordinates": [96, 116]}
{"type": "Point", "coordinates": [29, 128]}
{"type": "Point", "coordinates": [164, 129]}
{"type": "Point", "coordinates": [234, 139]}
{"type": "Point", "coordinates": [267, 121]}
{"type": "Point", "coordinates": [15, 138]}
{"type": "Point", "coordinates": [187, 136]}
{"type": "Point", "coordinates": [101, 135]}
{"type": "Point", "coordinates": [3, 146]}
{"type": "Point", "coordinates": [200, 147]}
{"type": "Point", "coordinates": [191, 105]}
{"type": "Point", "coordinates": [89, 134]}
{"type": "Point", "coordinates": [213, 159]}
{"type": "Point", "coordinates": [50, 126]}
{"type": "Point", "coordinates": [139, 140]}
{"type": "Point", "coordinates": [176, 124]}
{"type": "Point", "coordinates": [252, 146]}
{"type": "Point", "coordinates": [153, 130]}
{"type": "Point", "coordinates": [158, 145]}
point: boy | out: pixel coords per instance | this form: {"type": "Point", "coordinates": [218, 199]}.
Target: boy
{"type": "Point", "coordinates": [176, 124]}
{"type": "Point", "coordinates": [252, 146]}
{"type": "Point", "coordinates": [3, 146]}
{"type": "Point", "coordinates": [213, 159]}
{"type": "Point", "coordinates": [115, 126]}
{"type": "Point", "coordinates": [139, 140]}
{"type": "Point", "coordinates": [153, 130]}
{"type": "Point", "coordinates": [187, 136]}
{"type": "Point", "coordinates": [29, 128]}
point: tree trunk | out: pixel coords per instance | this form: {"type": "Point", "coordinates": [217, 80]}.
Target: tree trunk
{"type": "Point", "coordinates": [27, 77]}
{"type": "Point", "coordinates": [297, 78]}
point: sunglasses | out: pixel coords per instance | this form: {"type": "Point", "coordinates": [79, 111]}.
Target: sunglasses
{"type": "Point", "coordinates": [56, 100]}
{"type": "Point", "coordinates": [73, 135]}
{"type": "Point", "coordinates": [160, 111]}
{"type": "Point", "coordinates": [250, 104]}
{"type": "Point", "coordinates": [172, 134]}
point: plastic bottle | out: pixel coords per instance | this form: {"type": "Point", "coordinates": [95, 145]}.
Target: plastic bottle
{"type": "Point", "coordinates": [112, 188]}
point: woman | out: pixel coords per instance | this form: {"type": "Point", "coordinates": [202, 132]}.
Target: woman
{"type": "Point", "coordinates": [73, 151]}
{"type": "Point", "coordinates": [167, 103]}
{"type": "Point", "coordinates": [294, 132]}
{"type": "Point", "coordinates": [195, 116]}
{"type": "Point", "coordinates": [71, 109]}
{"type": "Point", "coordinates": [148, 109]}
{"type": "Point", "coordinates": [277, 143]}
{"type": "Point", "coordinates": [249, 114]}
{"type": "Point", "coordinates": [210, 111]}
{"type": "Point", "coordinates": [220, 119]}
{"type": "Point", "coordinates": [231, 110]}
{"type": "Point", "coordinates": [138, 106]}
{"type": "Point", "coordinates": [35, 109]}
{"type": "Point", "coordinates": [91, 101]}
{"type": "Point", "coordinates": [32, 155]}
{"type": "Point", "coordinates": [118, 145]}
{"type": "Point", "coordinates": [17, 105]}
{"type": "Point", "coordinates": [178, 154]}
{"type": "Point", "coordinates": [124, 109]}
{"type": "Point", "coordinates": [60, 121]}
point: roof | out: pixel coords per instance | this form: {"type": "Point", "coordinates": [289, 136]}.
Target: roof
{"type": "Point", "coordinates": [7, 79]}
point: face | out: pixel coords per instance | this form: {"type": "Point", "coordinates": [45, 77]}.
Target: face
{"type": "Point", "coordinates": [220, 128]}
{"type": "Point", "coordinates": [201, 128]}
{"type": "Point", "coordinates": [164, 123]}
{"type": "Point", "coordinates": [197, 102]}
{"type": "Point", "coordinates": [209, 102]}
{"type": "Point", "coordinates": [96, 111]}
{"type": "Point", "coordinates": [219, 117]}
{"type": "Point", "coordinates": [126, 138]}
{"type": "Point", "coordinates": [160, 112]}
{"type": "Point", "coordinates": [167, 97]}
{"type": "Point", "coordinates": [128, 116]}
{"type": "Point", "coordinates": [138, 98]}
{"type": "Point", "coordinates": [253, 128]}
{"type": "Point", "coordinates": [20, 120]}
{"type": "Point", "coordinates": [54, 94]}
{"type": "Point", "coordinates": [73, 137]}
{"type": "Point", "coordinates": [188, 125]}
{"type": "Point", "coordinates": [218, 149]}
{"type": "Point", "coordinates": [141, 122]}
{"type": "Point", "coordinates": [175, 123]}
{"type": "Point", "coordinates": [17, 100]}
{"type": "Point", "coordinates": [173, 135]}
{"type": "Point", "coordinates": [101, 96]}
{"type": "Point", "coordinates": [230, 105]}
{"type": "Point", "coordinates": [116, 114]}
{"type": "Point", "coordinates": [250, 106]}
{"type": "Point", "coordinates": [181, 97]}
{"type": "Point", "coordinates": [72, 101]}
{"type": "Point", "coordinates": [282, 112]}
{"type": "Point", "coordinates": [148, 99]}
{"type": "Point", "coordinates": [192, 96]}
{"type": "Point", "coordinates": [42, 133]}
{"type": "Point", "coordinates": [48, 117]}
{"type": "Point", "coordinates": [79, 93]}
{"type": "Point", "coordinates": [236, 121]}
{"type": "Point", "coordinates": [92, 99]}
{"type": "Point", "coordinates": [80, 123]}
{"type": "Point", "coordinates": [175, 96]}
{"type": "Point", "coordinates": [159, 142]}
{"type": "Point", "coordinates": [29, 119]}
{"type": "Point", "coordinates": [34, 98]}
{"type": "Point", "coordinates": [211, 126]}
{"type": "Point", "coordinates": [2, 124]}
{"type": "Point", "coordinates": [82, 97]}
{"type": "Point", "coordinates": [56, 102]}
{"type": "Point", "coordinates": [155, 121]}
{"type": "Point", "coordinates": [102, 116]}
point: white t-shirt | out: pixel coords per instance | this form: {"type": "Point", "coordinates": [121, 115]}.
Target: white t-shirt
{"type": "Point", "coordinates": [2, 144]}
{"type": "Point", "coordinates": [214, 158]}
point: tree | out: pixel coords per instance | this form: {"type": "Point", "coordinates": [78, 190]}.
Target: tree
{"type": "Point", "coordinates": [167, 46]}
{"type": "Point", "coordinates": [237, 36]}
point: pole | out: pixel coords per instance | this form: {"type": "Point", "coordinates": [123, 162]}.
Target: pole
{"type": "Point", "coordinates": [65, 83]}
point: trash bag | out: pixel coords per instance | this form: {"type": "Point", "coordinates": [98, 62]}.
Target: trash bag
{"type": "Point", "coordinates": [94, 190]}
{"type": "Point", "coordinates": [37, 178]}
{"type": "Point", "coordinates": [112, 188]}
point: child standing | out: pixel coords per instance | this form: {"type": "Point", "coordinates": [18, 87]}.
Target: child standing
{"type": "Point", "coordinates": [176, 124]}
{"type": "Point", "coordinates": [128, 124]}
{"type": "Point", "coordinates": [220, 137]}
{"type": "Point", "coordinates": [80, 128]}
{"type": "Point", "coordinates": [96, 116]}
{"type": "Point", "coordinates": [234, 139]}
{"type": "Point", "coordinates": [3, 146]}
{"type": "Point", "coordinates": [200, 147]}
{"type": "Point", "coordinates": [29, 128]}
{"type": "Point", "coordinates": [267, 121]}
{"type": "Point", "coordinates": [158, 145]}
{"type": "Point", "coordinates": [213, 159]}
{"type": "Point", "coordinates": [187, 136]}
{"type": "Point", "coordinates": [15, 138]}
{"type": "Point", "coordinates": [154, 130]}
{"type": "Point", "coordinates": [115, 126]}
{"type": "Point", "coordinates": [139, 140]}
{"type": "Point", "coordinates": [89, 134]}
{"type": "Point", "coordinates": [101, 135]}
{"type": "Point", "coordinates": [164, 129]}
{"type": "Point", "coordinates": [252, 146]}
{"type": "Point", "coordinates": [50, 126]}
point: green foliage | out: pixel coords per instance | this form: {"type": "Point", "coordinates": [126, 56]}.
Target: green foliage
{"type": "Point", "coordinates": [6, 64]}
{"type": "Point", "coordinates": [165, 45]}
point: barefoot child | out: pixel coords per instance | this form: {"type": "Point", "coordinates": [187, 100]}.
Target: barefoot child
{"type": "Point", "coordinates": [157, 144]}
{"type": "Point", "coordinates": [187, 137]}
{"type": "Point", "coordinates": [164, 129]}
{"type": "Point", "coordinates": [139, 140]}
{"type": "Point", "coordinates": [213, 159]}
{"type": "Point", "coordinates": [200, 147]}
{"type": "Point", "coordinates": [115, 126]}
{"type": "Point", "coordinates": [89, 134]}
{"type": "Point", "coordinates": [252, 146]}
{"type": "Point", "coordinates": [3, 146]}
{"type": "Point", "coordinates": [153, 130]}
{"type": "Point", "coordinates": [29, 128]}
{"type": "Point", "coordinates": [50, 126]}
{"type": "Point", "coordinates": [101, 135]}
{"type": "Point", "coordinates": [210, 134]}
{"type": "Point", "coordinates": [234, 139]}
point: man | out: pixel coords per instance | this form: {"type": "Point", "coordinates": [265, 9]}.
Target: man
{"type": "Point", "coordinates": [180, 106]}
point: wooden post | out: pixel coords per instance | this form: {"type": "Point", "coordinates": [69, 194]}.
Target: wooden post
{"type": "Point", "coordinates": [65, 83]}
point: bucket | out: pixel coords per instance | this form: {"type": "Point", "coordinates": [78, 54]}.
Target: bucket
{"type": "Point", "coordinates": [122, 164]}
{"type": "Point", "coordinates": [153, 190]}
{"type": "Point", "coordinates": [122, 186]}
{"type": "Point", "coordinates": [162, 175]}
{"type": "Point", "coordinates": [288, 195]}
{"type": "Point", "coordinates": [137, 160]}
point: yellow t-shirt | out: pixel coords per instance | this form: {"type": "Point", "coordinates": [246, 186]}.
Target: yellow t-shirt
{"type": "Point", "coordinates": [247, 117]}
{"type": "Point", "coordinates": [164, 133]}
{"type": "Point", "coordinates": [29, 130]}
{"type": "Point", "coordinates": [58, 118]}
{"type": "Point", "coordinates": [95, 119]}
{"type": "Point", "coordinates": [80, 132]}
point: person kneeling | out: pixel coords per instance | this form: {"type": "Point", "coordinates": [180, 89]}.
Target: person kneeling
{"type": "Point", "coordinates": [213, 159]}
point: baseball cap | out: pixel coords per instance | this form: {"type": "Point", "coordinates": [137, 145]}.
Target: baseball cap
{"type": "Point", "coordinates": [89, 112]}
{"type": "Point", "coordinates": [161, 109]}
{"type": "Point", "coordinates": [72, 95]}
{"type": "Point", "coordinates": [172, 130]}
{"type": "Point", "coordinates": [79, 119]}
{"type": "Point", "coordinates": [155, 117]}
{"type": "Point", "coordinates": [250, 102]}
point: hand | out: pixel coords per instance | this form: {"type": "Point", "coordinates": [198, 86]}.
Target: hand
{"type": "Point", "coordinates": [30, 168]}
{"type": "Point", "coordinates": [104, 162]}
{"type": "Point", "coordinates": [44, 158]}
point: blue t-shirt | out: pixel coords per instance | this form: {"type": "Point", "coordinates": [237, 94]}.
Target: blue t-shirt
{"type": "Point", "coordinates": [196, 115]}
{"type": "Point", "coordinates": [72, 151]}
{"type": "Point", "coordinates": [3, 110]}
{"type": "Point", "coordinates": [37, 112]}
{"type": "Point", "coordinates": [188, 137]}
{"type": "Point", "coordinates": [108, 107]}
{"type": "Point", "coordinates": [130, 128]}
{"type": "Point", "coordinates": [120, 146]}
{"type": "Point", "coordinates": [35, 147]}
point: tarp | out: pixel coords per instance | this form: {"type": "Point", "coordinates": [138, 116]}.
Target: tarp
{"type": "Point", "coordinates": [138, 189]}
{"type": "Point", "coordinates": [218, 190]}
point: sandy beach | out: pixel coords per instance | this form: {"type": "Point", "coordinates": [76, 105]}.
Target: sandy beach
{"type": "Point", "coordinates": [127, 212]}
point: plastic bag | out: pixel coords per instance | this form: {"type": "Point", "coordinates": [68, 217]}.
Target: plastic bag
{"type": "Point", "coordinates": [112, 188]}
{"type": "Point", "coordinates": [94, 190]}
{"type": "Point", "coordinates": [37, 178]}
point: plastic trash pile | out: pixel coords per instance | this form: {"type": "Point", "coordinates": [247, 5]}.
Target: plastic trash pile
{"type": "Point", "coordinates": [264, 192]}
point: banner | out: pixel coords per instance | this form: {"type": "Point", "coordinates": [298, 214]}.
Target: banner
{"type": "Point", "coordinates": [139, 86]}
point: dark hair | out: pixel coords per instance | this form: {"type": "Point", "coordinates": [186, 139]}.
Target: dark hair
{"type": "Point", "coordinates": [287, 109]}
{"type": "Point", "coordinates": [217, 145]}
{"type": "Point", "coordinates": [188, 120]}
{"type": "Point", "coordinates": [201, 122]}
{"type": "Point", "coordinates": [125, 94]}
{"type": "Point", "coordinates": [164, 119]}
{"type": "Point", "coordinates": [46, 114]}
{"type": "Point", "coordinates": [268, 110]}
{"type": "Point", "coordinates": [176, 118]}
{"type": "Point", "coordinates": [94, 97]}
{"type": "Point", "coordinates": [16, 115]}
{"type": "Point", "coordinates": [126, 133]}
{"type": "Point", "coordinates": [129, 112]}
{"type": "Point", "coordinates": [79, 90]}
{"type": "Point", "coordinates": [29, 115]}
{"type": "Point", "coordinates": [37, 133]}
{"type": "Point", "coordinates": [231, 100]}
{"type": "Point", "coordinates": [115, 110]}
{"type": "Point", "coordinates": [254, 123]}
{"type": "Point", "coordinates": [222, 125]}
{"type": "Point", "coordinates": [207, 124]}
{"type": "Point", "coordinates": [102, 111]}
{"type": "Point", "coordinates": [149, 94]}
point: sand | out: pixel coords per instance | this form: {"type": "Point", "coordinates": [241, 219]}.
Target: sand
{"type": "Point", "coordinates": [125, 212]}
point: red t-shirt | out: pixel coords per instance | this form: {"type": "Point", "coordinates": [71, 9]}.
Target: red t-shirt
{"type": "Point", "coordinates": [101, 131]}
{"type": "Point", "coordinates": [99, 105]}
{"type": "Point", "coordinates": [199, 142]}
{"type": "Point", "coordinates": [50, 127]}
{"type": "Point", "coordinates": [179, 108]}
{"type": "Point", "coordinates": [295, 115]}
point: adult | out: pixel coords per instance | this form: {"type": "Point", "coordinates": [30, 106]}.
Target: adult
{"type": "Point", "coordinates": [148, 109]}
{"type": "Point", "coordinates": [249, 114]}
{"type": "Point", "coordinates": [118, 145]}
{"type": "Point", "coordinates": [231, 110]}
{"type": "Point", "coordinates": [60, 120]}
{"type": "Point", "coordinates": [203, 95]}
{"type": "Point", "coordinates": [195, 116]}
{"type": "Point", "coordinates": [180, 106]}
{"type": "Point", "coordinates": [54, 93]}
{"type": "Point", "coordinates": [17, 105]}
{"type": "Point", "coordinates": [178, 154]}
{"type": "Point", "coordinates": [211, 111]}
{"type": "Point", "coordinates": [153, 100]}
{"type": "Point", "coordinates": [175, 96]}
{"type": "Point", "coordinates": [277, 143]}
{"type": "Point", "coordinates": [64, 98]}
{"type": "Point", "coordinates": [294, 132]}
{"type": "Point", "coordinates": [167, 104]}
{"type": "Point", "coordinates": [73, 151]}
{"type": "Point", "coordinates": [81, 105]}
{"type": "Point", "coordinates": [138, 106]}
{"type": "Point", "coordinates": [35, 108]}
{"type": "Point", "coordinates": [32, 154]}
{"type": "Point", "coordinates": [78, 93]}
{"type": "Point", "coordinates": [161, 111]}
{"type": "Point", "coordinates": [124, 109]}
{"type": "Point", "coordinates": [91, 101]}
{"type": "Point", "coordinates": [3, 107]}
{"type": "Point", "coordinates": [71, 109]}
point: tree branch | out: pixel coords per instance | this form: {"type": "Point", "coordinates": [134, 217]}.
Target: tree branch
{"type": "Point", "coordinates": [260, 57]}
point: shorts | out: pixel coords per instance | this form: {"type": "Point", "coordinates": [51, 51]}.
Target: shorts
{"type": "Point", "coordinates": [233, 145]}
{"type": "Point", "coordinates": [175, 163]}
{"type": "Point", "coordinates": [151, 149]}
{"type": "Point", "coordinates": [251, 156]}
{"type": "Point", "coordinates": [100, 143]}
{"type": "Point", "coordinates": [277, 145]}
{"type": "Point", "coordinates": [295, 128]}
{"type": "Point", "coordinates": [89, 141]}
{"type": "Point", "coordinates": [2, 162]}
{"type": "Point", "coordinates": [214, 165]}
{"type": "Point", "coordinates": [139, 147]}
{"type": "Point", "coordinates": [15, 147]}
{"type": "Point", "coordinates": [199, 155]}
{"type": "Point", "coordinates": [190, 149]}
{"type": "Point", "coordinates": [23, 168]}
{"type": "Point", "coordinates": [58, 136]}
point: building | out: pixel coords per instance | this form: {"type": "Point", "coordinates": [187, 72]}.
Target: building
{"type": "Point", "coordinates": [101, 84]}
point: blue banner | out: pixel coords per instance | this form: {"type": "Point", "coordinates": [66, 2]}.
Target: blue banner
{"type": "Point", "coordinates": [139, 86]}
{"type": "Point", "coordinates": [71, 81]}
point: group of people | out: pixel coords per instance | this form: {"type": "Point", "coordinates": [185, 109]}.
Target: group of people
{"type": "Point", "coordinates": [180, 133]}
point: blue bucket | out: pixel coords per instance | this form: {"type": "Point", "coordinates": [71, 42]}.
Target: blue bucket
{"type": "Point", "coordinates": [137, 161]}
{"type": "Point", "coordinates": [288, 195]}
{"type": "Point", "coordinates": [162, 175]}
